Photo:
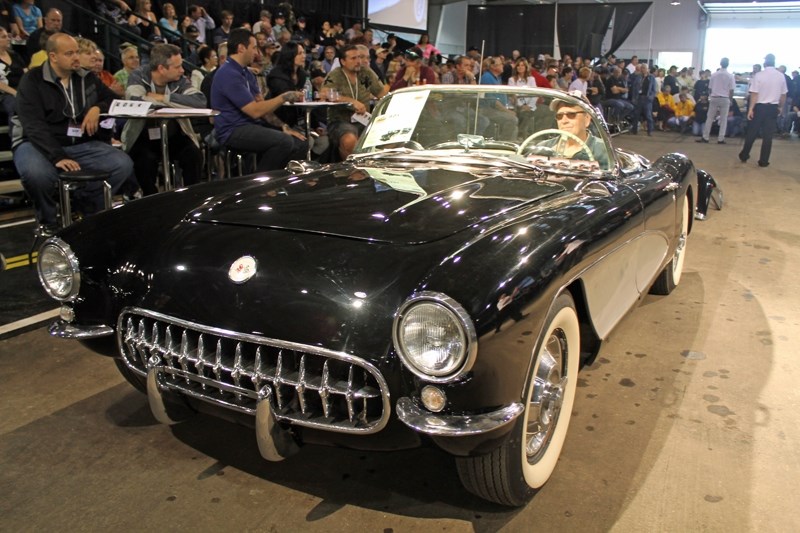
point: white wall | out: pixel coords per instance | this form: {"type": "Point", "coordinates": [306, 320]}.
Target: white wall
{"type": "Point", "coordinates": [447, 26]}
{"type": "Point", "coordinates": [674, 29]}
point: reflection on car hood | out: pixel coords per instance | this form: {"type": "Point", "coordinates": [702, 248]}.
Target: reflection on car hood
{"type": "Point", "coordinates": [386, 205]}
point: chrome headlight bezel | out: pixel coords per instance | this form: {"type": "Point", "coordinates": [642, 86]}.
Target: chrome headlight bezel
{"type": "Point", "coordinates": [464, 360]}
{"type": "Point", "coordinates": [72, 274]}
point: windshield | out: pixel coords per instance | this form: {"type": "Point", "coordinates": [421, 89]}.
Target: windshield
{"type": "Point", "coordinates": [545, 127]}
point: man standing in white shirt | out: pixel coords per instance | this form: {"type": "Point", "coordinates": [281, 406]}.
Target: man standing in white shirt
{"type": "Point", "coordinates": [720, 89]}
{"type": "Point", "coordinates": [202, 21]}
{"type": "Point", "coordinates": [633, 66]}
{"type": "Point", "coordinates": [767, 95]}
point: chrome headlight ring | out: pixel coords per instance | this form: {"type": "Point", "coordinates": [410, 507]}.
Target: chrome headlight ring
{"type": "Point", "coordinates": [59, 271]}
{"type": "Point", "coordinates": [434, 337]}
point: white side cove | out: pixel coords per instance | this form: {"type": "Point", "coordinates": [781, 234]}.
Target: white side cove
{"type": "Point", "coordinates": [615, 282]}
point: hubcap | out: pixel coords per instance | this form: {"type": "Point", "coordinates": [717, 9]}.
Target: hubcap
{"type": "Point", "coordinates": [547, 396]}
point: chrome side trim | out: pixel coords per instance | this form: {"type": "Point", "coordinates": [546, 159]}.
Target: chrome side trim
{"type": "Point", "coordinates": [65, 330]}
{"type": "Point", "coordinates": [429, 423]}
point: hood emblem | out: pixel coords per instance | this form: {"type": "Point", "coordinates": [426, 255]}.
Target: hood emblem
{"type": "Point", "coordinates": [242, 269]}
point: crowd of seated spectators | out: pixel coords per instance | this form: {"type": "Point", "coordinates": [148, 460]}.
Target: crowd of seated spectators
{"type": "Point", "coordinates": [295, 54]}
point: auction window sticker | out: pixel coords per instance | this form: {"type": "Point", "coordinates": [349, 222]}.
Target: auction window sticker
{"type": "Point", "coordinates": [398, 123]}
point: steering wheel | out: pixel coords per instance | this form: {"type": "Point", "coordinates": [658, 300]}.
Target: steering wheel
{"type": "Point", "coordinates": [560, 133]}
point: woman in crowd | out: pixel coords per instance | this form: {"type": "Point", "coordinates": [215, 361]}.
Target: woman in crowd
{"type": "Point", "coordinates": [581, 83]}
{"type": "Point", "coordinates": [92, 59]}
{"type": "Point", "coordinates": [28, 17]}
{"type": "Point", "coordinates": [170, 22]}
{"type": "Point", "coordinates": [521, 77]}
{"type": "Point", "coordinates": [427, 48]}
{"type": "Point", "coordinates": [326, 36]}
{"type": "Point", "coordinates": [209, 60]}
{"type": "Point", "coordinates": [12, 67]}
{"type": "Point", "coordinates": [144, 18]}
{"type": "Point", "coordinates": [660, 73]}
{"type": "Point", "coordinates": [565, 79]}
{"type": "Point", "coordinates": [288, 74]}
{"type": "Point", "coordinates": [130, 62]}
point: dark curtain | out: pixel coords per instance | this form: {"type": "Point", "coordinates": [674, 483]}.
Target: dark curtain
{"type": "Point", "coordinates": [582, 27]}
{"type": "Point", "coordinates": [528, 29]}
{"type": "Point", "coordinates": [626, 17]}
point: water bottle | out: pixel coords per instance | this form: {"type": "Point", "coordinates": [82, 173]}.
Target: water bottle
{"type": "Point", "coordinates": [308, 91]}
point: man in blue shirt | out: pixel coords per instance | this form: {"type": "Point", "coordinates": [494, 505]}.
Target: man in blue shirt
{"type": "Point", "coordinates": [247, 121]}
{"type": "Point", "coordinates": [495, 107]}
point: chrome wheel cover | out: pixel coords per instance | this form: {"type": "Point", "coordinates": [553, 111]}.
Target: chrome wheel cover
{"type": "Point", "coordinates": [547, 396]}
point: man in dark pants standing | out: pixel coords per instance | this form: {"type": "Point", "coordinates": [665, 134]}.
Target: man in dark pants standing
{"type": "Point", "coordinates": [643, 90]}
{"type": "Point", "coordinates": [767, 96]}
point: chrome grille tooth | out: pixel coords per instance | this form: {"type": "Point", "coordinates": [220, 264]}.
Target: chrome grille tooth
{"type": "Point", "coordinates": [301, 384]}
{"type": "Point", "coordinates": [230, 369]}
{"type": "Point", "coordinates": [168, 345]}
{"type": "Point", "coordinates": [139, 340]}
{"type": "Point", "coordinates": [183, 358]}
{"type": "Point", "coordinates": [349, 395]}
{"type": "Point", "coordinates": [362, 417]}
{"type": "Point", "coordinates": [237, 368]}
{"type": "Point", "coordinates": [324, 391]}
{"type": "Point", "coordinates": [129, 341]}
{"type": "Point", "coordinates": [278, 381]}
{"type": "Point", "coordinates": [218, 360]}
{"type": "Point", "coordinates": [257, 377]}
{"type": "Point", "coordinates": [201, 358]}
{"type": "Point", "coordinates": [154, 340]}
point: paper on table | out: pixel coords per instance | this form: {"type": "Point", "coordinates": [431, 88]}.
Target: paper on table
{"type": "Point", "coordinates": [182, 111]}
{"type": "Point", "coordinates": [136, 108]}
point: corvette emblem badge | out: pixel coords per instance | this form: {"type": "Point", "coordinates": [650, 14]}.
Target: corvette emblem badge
{"type": "Point", "coordinates": [242, 269]}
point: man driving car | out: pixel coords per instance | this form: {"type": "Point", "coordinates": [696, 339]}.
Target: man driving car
{"type": "Point", "coordinates": [576, 141]}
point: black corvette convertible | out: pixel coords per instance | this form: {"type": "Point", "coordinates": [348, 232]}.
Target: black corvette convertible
{"type": "Point", "coordinates": [442, 286]}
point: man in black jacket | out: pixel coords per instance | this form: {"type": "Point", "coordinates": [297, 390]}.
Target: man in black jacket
{"type": "Point", "coordinates": [58, 115]}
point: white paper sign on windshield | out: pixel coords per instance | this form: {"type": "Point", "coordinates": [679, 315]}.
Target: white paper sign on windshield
{"type": "Point", "coordinates": [399, 121]}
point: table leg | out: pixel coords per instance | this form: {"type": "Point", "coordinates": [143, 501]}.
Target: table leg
{"type": "Point", "coordinates": [165, 156]}
{"type": "Point", "coordinates": [308, 132]}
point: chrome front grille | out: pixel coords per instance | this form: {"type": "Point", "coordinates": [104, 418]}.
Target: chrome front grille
{"type": "Point", "coordinates": [308, 386]}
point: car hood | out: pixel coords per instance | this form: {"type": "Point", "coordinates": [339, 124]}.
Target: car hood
{"type": "Point", "coordinates": [398, 206]}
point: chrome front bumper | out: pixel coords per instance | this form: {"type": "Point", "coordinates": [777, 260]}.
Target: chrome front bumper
{"type": "Point", "coordinates": [454, 425]}
{"type": "Point", "coordinates": [65, 330]}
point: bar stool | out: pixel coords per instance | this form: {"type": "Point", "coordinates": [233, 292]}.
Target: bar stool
{"type": "Point", "coordinates": [67, 182]}
{"type": "Point", "coordinates": [229, 153]}
{"type": "Point", "coordinates": [74, 179]}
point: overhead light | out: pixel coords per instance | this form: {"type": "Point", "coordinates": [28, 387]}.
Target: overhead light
{"type": "Point", "coordinates": [751, 7]}
{"type": "Point", "coordinates": [674, 3]}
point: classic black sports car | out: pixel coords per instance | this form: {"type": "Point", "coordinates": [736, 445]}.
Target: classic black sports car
{"type": "Point", "coordinates": [443, 285]}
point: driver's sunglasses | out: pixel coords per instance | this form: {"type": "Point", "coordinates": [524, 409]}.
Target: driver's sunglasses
{"type": "Point", "coordinates": [569, 114]}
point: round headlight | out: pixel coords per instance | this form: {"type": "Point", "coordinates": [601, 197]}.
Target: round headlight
{"type": "Point", "coordinates": [58, 270]}
{"type": "Point", "coordinates": [434, 337]}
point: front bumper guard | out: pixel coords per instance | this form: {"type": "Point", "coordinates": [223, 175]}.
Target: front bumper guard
{"type": "Point", "coordinates": [455, 425]}
{"type": "Point", "coordinates": [274, 442]}
{"type": "Point", "coordinates": [65, 330]}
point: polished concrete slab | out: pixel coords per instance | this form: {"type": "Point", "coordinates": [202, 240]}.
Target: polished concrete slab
{"type": "Point", "coordinates": [687, 421]}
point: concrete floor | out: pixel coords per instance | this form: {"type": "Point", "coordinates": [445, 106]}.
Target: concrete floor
{"type": "Point", "coordinates": [688, 421]}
